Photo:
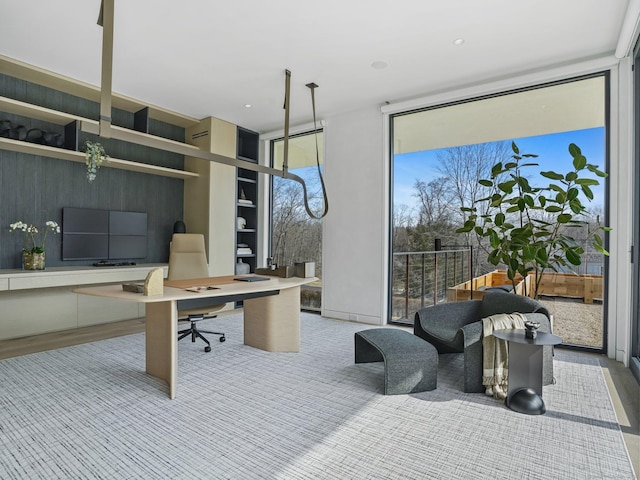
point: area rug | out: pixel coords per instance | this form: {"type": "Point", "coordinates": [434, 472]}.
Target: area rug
{"type": "Point", "coordinates": [91, 412]}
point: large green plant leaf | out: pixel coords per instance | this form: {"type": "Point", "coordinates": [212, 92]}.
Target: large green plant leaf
{"type": "Point", "coordinates": [528, 227]}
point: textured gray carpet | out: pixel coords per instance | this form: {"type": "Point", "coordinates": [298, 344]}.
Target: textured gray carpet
{"type": "Point", "coordinates": [90, 411]}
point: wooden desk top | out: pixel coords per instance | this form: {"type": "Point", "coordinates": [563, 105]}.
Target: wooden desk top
{"type": "Point", "coordinates": [175, 289]}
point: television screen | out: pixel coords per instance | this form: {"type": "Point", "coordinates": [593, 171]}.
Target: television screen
{"type": "Point", "coordinates": [85, 220]}
{"type": "Point", "coordinates": [127, 235]}
{"type": "Point", "coordinates": [93, 234]}
{"type": "Point", "coordinates": [127, 246]}
{"type": "Point", "coordinates": [127, 223]}
{"type": "Point", "coordinates": [85, 234]}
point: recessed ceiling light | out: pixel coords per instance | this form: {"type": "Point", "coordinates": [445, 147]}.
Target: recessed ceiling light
{"type": "Point", "coordinates": [379, 65]}
{"type": "Point", "coordinates": [458, 41]}
{"type": "Point", "coordinates": [247, 105]}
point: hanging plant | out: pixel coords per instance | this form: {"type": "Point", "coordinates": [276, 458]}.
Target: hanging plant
{"type": "Point", "coordinates": [94, 156]}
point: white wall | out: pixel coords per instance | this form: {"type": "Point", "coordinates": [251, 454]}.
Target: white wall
{"type": "Point", "coordinates": [355, 229]}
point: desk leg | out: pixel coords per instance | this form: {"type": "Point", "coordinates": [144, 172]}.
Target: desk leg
{"type": "Point", "coordinates": [273, 323]}
{"type": "Point", "coordinates": [162, 342]}
{"type": "Point", "coordinates": [525, 379]}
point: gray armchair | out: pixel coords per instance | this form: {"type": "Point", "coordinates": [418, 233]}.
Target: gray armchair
{"type": "Point", "coordinates": [456, 327]}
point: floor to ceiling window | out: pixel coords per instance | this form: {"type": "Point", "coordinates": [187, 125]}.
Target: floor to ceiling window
{"type": "Point", "coordinates": [439, 156]}
{"type": "Point", "coordinates": [296, 237]}
{"type": "Point", "coordinates": [635, 327]}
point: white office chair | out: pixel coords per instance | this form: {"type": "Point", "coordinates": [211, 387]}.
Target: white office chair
{"type": "Point", "coordinates": [188, 259]}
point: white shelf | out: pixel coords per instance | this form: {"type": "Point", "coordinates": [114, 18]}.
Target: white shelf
{"type": "Point", "coordinates": [60, 118]}
{"type": "Point", "coordinates": [73, 156]}
{"type": "Point", "coordinates": [30, 73]}
{"type": "Point", "coordinates": [70, 276]}
{"type": "Point", "coordinates": [24, 109]}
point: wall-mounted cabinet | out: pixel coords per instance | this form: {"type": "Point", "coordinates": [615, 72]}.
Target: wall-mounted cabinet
{"type": "Point", "coordinates": [246, 203]}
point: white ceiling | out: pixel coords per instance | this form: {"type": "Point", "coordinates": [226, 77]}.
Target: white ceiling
{"type": "Point", "coordinates": [210, 57]}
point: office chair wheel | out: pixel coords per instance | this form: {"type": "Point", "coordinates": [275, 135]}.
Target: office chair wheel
{"type": "Point", "coordinates": [207, 348]}
{"type": "Point", "coordinates": [222, 339]}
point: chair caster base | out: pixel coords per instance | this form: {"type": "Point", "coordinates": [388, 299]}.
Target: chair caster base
{"type": "Point", "coordinates": [207, 348]}
{"type": "Point", "coordinates": [222, 339]}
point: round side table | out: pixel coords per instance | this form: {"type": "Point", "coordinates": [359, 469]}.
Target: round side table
{"type": "Point", "coordinates": [524, 393]}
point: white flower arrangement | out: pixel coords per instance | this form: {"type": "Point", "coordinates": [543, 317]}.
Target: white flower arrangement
{"type": "Point", "coordinates": [33, 245]}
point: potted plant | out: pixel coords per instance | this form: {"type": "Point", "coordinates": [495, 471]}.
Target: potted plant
{"type": "Point", "coordinates": [94, 156]}
{"type": "Point", "coordinates": [528, 226]}
{"type": "Point", "coordinates": [33, 257]}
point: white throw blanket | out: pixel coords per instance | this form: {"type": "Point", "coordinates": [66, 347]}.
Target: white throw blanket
{"type": "Point", "coordinates": [495, 353]}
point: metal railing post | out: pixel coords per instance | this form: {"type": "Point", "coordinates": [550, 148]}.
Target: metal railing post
{"type": "Point", "coordinates": [470, 272]}
{"type": "Point", "coordinates": [406, 289]}
{"type": "Point", "coordinates": [422, 292]}
{"type": "Point", "coordinates": [435, 278]}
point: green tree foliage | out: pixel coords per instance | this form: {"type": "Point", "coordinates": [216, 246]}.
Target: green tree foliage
{"type": "Point", "coordinates": [528, 226]}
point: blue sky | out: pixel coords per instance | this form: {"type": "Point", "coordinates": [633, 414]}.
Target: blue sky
{"type": "Point", "coordinates": [552, 151]}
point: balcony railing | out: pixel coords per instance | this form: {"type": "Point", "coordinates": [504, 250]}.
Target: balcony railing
{"type": "Point", "coordinates": [419, 279]}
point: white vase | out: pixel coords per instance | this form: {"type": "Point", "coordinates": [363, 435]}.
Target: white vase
{"type": "Point", "coordinates": [242, 268]}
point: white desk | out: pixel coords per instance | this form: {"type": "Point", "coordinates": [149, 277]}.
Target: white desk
{"type": "Point", "coordinates": [271, 315]}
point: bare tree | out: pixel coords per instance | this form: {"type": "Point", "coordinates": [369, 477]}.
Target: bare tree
{"type": "Point", "coordinates": [402, 220]}
{"type": "Point", "coordinates": [463, 166]}
{"type": "Point", "coordinates": [295, 236]}
{"type": "Point", "coordinates": [435, 201]}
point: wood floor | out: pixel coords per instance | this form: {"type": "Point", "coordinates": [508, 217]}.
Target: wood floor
{"type": "Point", "coordinates": [624, 390]}
{"type": "Point", "coordinates": [50, 341]}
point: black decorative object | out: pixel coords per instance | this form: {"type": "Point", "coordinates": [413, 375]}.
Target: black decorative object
{"type": "Point", "coordinates": [531, 329]}
{"type": "Point", "coordinates": [179, 227]}
{"type": "Point", "coordinates": [527, 401]}
{"type": "Point", "coordinates": [33, 135]}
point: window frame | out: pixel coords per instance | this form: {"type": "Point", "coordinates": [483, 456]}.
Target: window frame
{"type": "Point", "coordinates": [606, 74]}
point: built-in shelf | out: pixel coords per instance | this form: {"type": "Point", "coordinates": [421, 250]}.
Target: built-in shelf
{"type": "Point", "coordinates": [30, 110]}
{"type": "Point", "coordinates": [247, 146]}
{"type": "Point", "coordinates": [74, 276]}
{"type": "Point", "coordinates": [24, 109]}
{"type": "Point", "coordinates": [246, 180]}
{"type": "Point", "coordinates": [30, 73]}
{"type": "Point", "coordinates": [73, 156]}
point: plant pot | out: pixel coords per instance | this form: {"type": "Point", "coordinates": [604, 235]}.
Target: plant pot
{"type": "Point", "coordinates": [33, 261]}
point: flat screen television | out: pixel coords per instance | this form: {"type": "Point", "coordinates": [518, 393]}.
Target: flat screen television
{"type": "Point", "coordinates": [94, 234]}
{"type": "Point", "coordinates": [85, 234]}
{"type": "Point", "coordinates": [127, 235]}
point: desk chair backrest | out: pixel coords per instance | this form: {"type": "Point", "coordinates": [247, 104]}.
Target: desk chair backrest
{"type": "Point", "coordinates": [188, 258]}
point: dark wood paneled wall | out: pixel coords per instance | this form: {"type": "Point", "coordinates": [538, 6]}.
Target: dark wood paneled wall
{"type": "Point", "coordinates": [34, 189]}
